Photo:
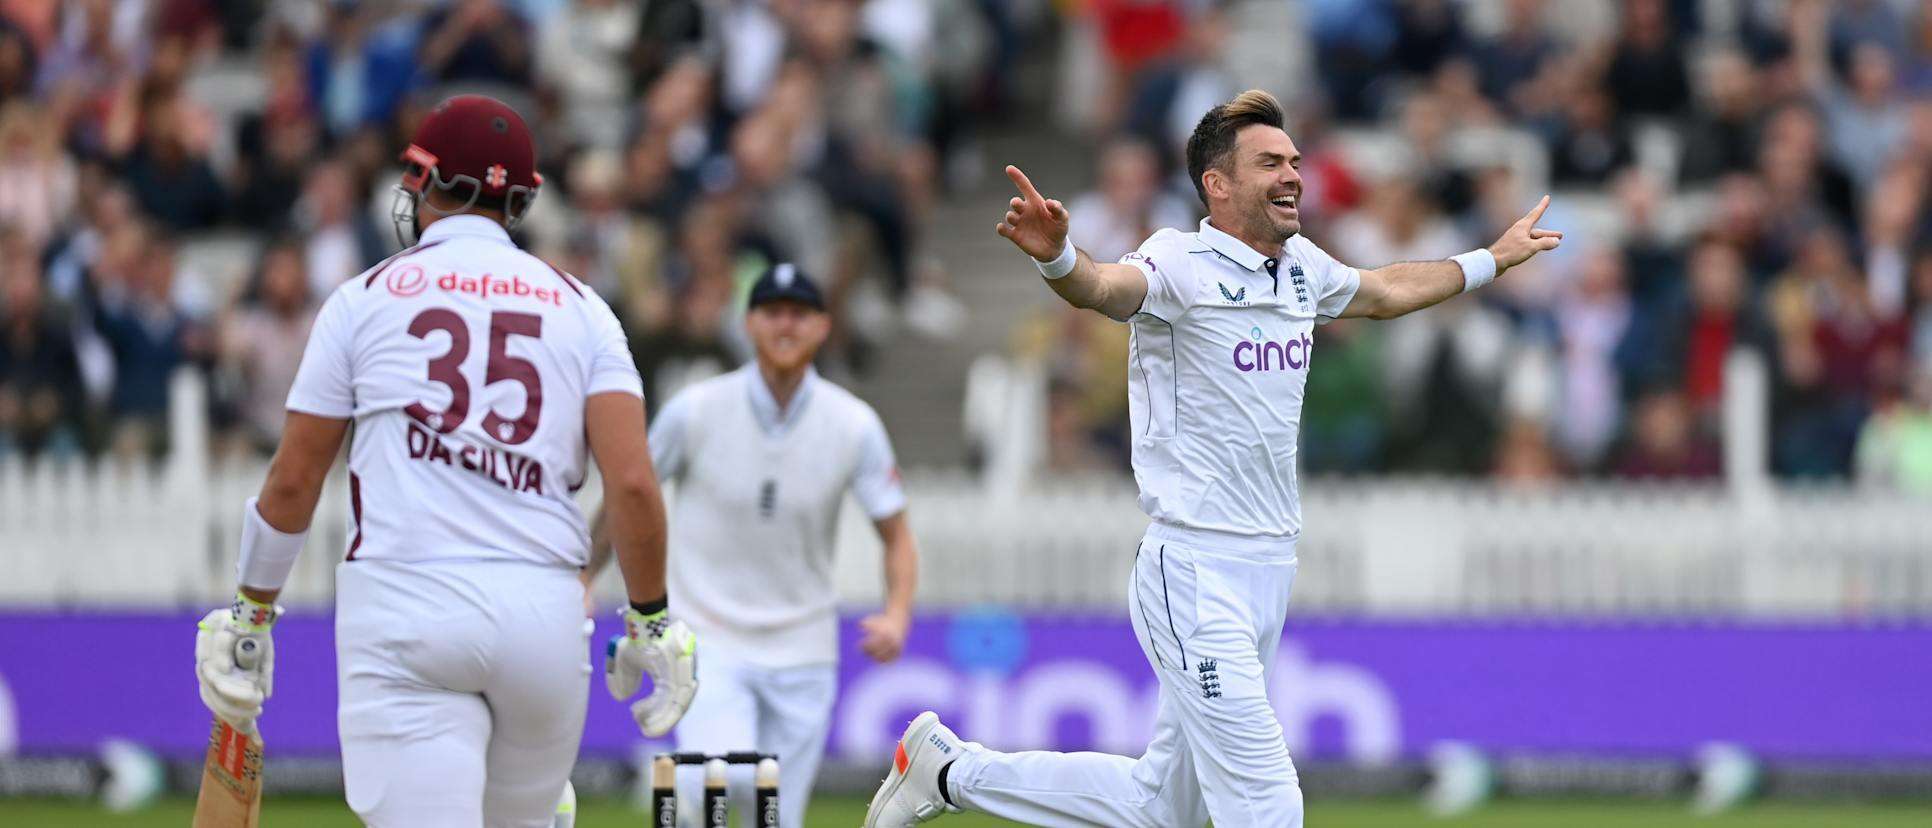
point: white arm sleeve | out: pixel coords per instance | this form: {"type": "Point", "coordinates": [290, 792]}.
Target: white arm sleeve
{"type": "Point", "coordinates": [667, 437]}
{"type": "Point", "coordinates": [1170, 286]}
{"type": "Point", "coordinates": [611, 367]}
{"type": "Point", "coordinates": [1334, 283]}
{"type": "Point", "coordinates": [876, 481]}
{"type": "Point", "coordinates": [324, 384]}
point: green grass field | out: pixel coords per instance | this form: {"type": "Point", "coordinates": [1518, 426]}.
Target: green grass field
{"type": "Point", "coordinates": [831, 812]}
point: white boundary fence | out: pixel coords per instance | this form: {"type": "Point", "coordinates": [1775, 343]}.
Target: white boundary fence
{"type": "Point", "coordinates": [165, 537]}
{"type": "Point", "coordinates": [1418, 547]}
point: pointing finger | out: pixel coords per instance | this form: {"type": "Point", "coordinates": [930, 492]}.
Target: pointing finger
{"type": "Point", "coordinates": [1021, 181]}
{"type": "Point", "coordinates": [1536, 213]}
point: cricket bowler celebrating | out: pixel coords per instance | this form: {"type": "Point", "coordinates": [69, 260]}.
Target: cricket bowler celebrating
{"type": "Point", "coordinates": [1223, 331]}
{"type": "Point", "coordinates": [762, 458]}
{"type": "Point", "coordinates": [476, 376]}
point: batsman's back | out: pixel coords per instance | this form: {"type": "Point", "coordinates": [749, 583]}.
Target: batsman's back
{"type": "Point", "coordinates": [465, 363]}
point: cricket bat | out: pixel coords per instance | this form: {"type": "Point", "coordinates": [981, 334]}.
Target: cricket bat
{"type": "Point", "coordinates": [231, 776]}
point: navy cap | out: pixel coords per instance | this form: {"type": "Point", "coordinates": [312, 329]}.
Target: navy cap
{"type": "Point", "coordinates": [784, 282]}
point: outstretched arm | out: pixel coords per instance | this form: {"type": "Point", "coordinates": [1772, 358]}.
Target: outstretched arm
{"type": "Point", "coordinates": [1038, 226]}
{"type": "Point", "coordinates": [1406, 287]}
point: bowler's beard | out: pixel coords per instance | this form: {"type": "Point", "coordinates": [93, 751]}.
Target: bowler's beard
{"type": "Point", "coordinates": [1261, 222]}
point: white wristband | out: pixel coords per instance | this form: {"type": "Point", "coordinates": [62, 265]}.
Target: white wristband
{"type": "Point", "coordinates": [1062, 265]}
{"type": "Point", "coordinates": [267, 554]}
{"type": "Point", "coordinates": [1478, 268]}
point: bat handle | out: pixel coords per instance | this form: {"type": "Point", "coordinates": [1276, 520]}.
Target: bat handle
{"type": "Point", "coordinates": [248, 653]}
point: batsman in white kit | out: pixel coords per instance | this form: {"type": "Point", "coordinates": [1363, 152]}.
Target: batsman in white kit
{"type": "Point", "coordinates": [761, 460]}
{"type": "Point", "coordinates": [476, 376]}
{"type": "Point", "coordinates": [1223, 322]}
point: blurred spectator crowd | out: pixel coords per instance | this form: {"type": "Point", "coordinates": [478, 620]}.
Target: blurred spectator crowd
{"type": "Point", "coordinates": [1733, 176]}
{"type": "Point", "coordinates": [184, 181]}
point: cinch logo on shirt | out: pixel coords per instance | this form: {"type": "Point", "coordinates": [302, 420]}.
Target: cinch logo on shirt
{"type": "Point", "coordinates": [1257, 353]}
{"type": "Point", "coordinates": [488, 286]}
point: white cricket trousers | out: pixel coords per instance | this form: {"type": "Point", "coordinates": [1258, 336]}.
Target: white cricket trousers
{"type": "Point", "coordinates": [786, 711]}
{"type": "Point", "coordinates": [1208, 610]}
{"type": "Point", "coordinates": [463, 686]}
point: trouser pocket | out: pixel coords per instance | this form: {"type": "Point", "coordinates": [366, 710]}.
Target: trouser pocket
{"type": "Point", "coordinates": [1163, 600]}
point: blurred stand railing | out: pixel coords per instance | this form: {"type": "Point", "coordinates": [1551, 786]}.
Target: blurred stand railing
{"type": "Point", "coordinates": [164, 536]}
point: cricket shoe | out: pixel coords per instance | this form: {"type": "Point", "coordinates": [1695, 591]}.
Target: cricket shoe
{"type": "Point", "coordinates": [910, 793]}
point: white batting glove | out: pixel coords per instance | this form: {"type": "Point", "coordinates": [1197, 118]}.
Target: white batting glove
{"type": "Point", "coordinates": [664, 649]}
{"type": "Point", "coordinates": [235, 660]}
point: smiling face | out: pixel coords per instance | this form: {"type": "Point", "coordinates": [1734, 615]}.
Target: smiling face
{"type": "Point", "coordinates": [1258, 189]}
{"type": "Point", "coordinates": [787, 335]}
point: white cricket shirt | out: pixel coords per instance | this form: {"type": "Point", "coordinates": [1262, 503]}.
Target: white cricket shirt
{"type": "Point", "coordinates": [1220, 355]}
{"type": "Point", "coordinates": [465, 363]}
{"type": "Point", "coordinates": [754, 512]}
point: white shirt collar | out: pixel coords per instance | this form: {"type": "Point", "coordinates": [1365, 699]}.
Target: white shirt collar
{"type": "Point", "coordinates": [464, 225]}
{"type": "Point", "coordinates": [1231, 247]}
{"type": "Point", "coordinates": [765, 407]}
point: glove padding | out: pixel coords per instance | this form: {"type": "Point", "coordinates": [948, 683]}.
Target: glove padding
{"type": "Point", "coordinates": [667, 651]}
{"type": "Point", "coordinates": [235, 661]}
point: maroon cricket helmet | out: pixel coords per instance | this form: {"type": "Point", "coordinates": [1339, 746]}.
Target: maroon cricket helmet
{"type": "Point", "coordinates": [476, 148]}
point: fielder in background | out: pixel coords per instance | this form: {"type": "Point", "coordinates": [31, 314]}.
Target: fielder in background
{"type": "Point", "coordinates": [762, 458]}
{"type": "Point", "coordinates": [1223, 331]}
{"type": "Point", "coordinates": [476, 377]}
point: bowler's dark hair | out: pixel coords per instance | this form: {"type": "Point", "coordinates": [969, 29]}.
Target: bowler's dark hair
{"type": "Point", "coordinates": [1213, 139]}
